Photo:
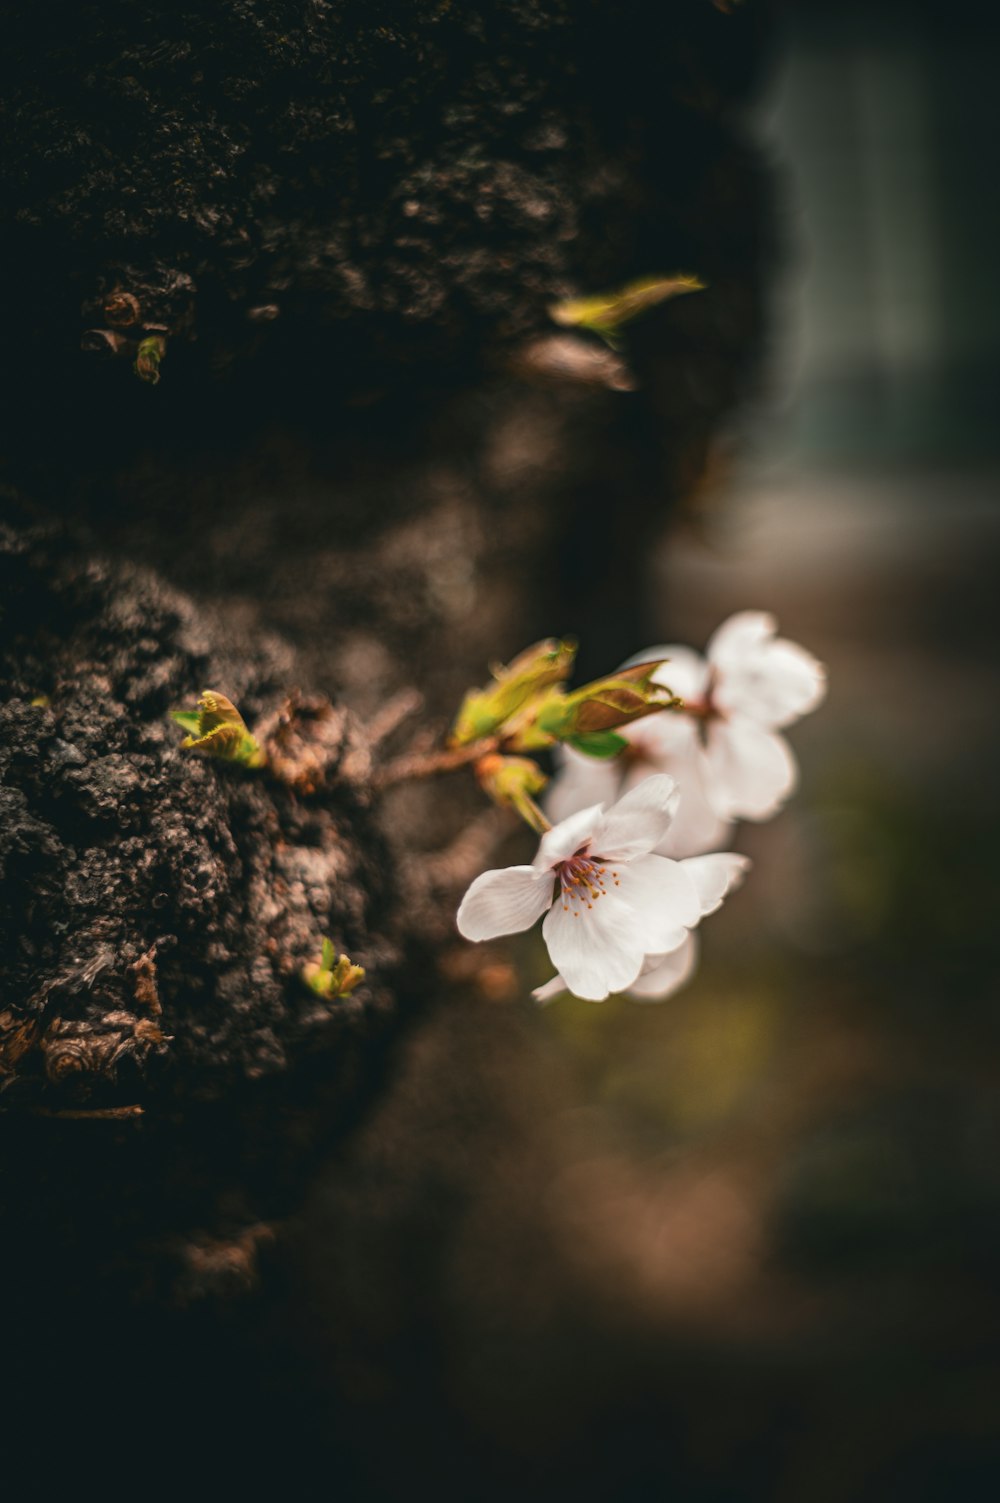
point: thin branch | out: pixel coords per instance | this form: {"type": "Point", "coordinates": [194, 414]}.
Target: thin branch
{"type": "Point", "coordinates": [392, 714]}
{"type": "Point", "coordinates": [468, 853]}
{"type": "Point", "coordinates": [96, 1114]}
{"type": "Point", "coordinates": [413, 765]}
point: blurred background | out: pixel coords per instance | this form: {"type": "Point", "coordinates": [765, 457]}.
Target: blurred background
{"type": "Point", "coordinates": [832, 1071]}
{"type": "Point", "coordinates": [746, 1244]}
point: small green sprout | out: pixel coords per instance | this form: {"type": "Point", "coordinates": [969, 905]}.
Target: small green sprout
{"type": "Point", "coordinates": [332, 976]}
{"type": "Point", "coordinates": [148, 356]}
{"type": "Point", "coordinates": [218, 729]}
{"type": "Point", "coordinates": [605, 313]}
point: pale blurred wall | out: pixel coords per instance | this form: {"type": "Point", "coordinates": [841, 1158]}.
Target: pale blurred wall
{"type": "Point", "coordinates": [885, 121]}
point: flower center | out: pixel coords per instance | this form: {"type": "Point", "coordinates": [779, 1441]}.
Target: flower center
{"type": "Point", "coordinates": [583, 879]}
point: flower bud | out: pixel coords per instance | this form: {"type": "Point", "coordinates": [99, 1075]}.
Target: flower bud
{"type": "Point", "coordinates": [588, 717]}
{"type": "Point", "coordinates": [507, 779]}
{"type": "Point", "coordinates": [531, 673]}
{"type": "Point", "coordinates": [513, 781]}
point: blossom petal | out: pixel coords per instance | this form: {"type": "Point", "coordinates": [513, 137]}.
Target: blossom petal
{"type": "Point", "coordinates": [738, 637]}
{"type": "Point", "coordinates": [596, 950]}
{"type": "Point", "coordinates": [638, 822]}
{"type": "Point", "coordinates": [664, 898]}
{"type": "Point", "coordinates": [752, 769]}
{"type": "Point", "coordinates": [581, 782]}
{"type": "Point", "coordinates": [716, 876]}
{"type": "Point", "coordinates": [697, 826]}
{"type": "Point", "coordinates": [772, 680]}
{"type": "Point", "coordinates": [665, 974]}
{"type": "Point", "coordinates": [550, 990]}
{"type": "Point", "coordinates": [660, 738]}
{"type": "Point", "coordinates": [504, 902]}
{"type": "Point", "coordinates": [684, 674]}
{"type": "Point", "coordinates": [674, 742]}
{"type": "Point", "coordinates": [567, 837]}
{"type": "Point", "coordinates": [670, 743]}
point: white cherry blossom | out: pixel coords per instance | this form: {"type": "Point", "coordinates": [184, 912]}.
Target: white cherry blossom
{"type": "Point", "coordinates": [664, 972]}
{"type": "Point", "coordinates": [659, 744]}
{"type": "Point", "coordinates": [609, 900]}
{"type": "Point", "coordinates": [723, 748]}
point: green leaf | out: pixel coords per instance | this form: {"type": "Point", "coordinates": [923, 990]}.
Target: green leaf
{"type": "Point", "coordinates": [515, 685]}
{"type": "Point", "coordinates": [189, 719]}
{"type": "Point", "coordinates": [606, 312]}
{"type": "Point", "coordinates": [598, 743]}
{"type": "Point", "coordinates": [218, 729]}
{"type": "Point", "coordinates": [328, 959]}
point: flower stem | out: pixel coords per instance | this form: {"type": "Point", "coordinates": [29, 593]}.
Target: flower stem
{"type": "Point", "coordinates": [531, 814]}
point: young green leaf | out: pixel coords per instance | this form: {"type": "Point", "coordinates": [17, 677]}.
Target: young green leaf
{"type": "Point", "coordinates": [218, 729]}
{"type": "Point", "coordinates": [598, 743]}
{"type": "Point", "coordinates": [331, 976]}
{"type": "Point", "coordinates": [529, 675]}
{"type": "Point", "coordinates": [604, 705]}
{"type": "Point", "coordinates": [606, 312]}
{"type": "Point", "coordinates": [189, 719]}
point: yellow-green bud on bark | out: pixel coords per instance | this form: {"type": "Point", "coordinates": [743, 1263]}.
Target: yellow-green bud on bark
{"type": "Point", "coordinates": [606, 312]}
{"type": "Point", "coordinates": [218, 729]}
{"type": "Point", "coordinates": [147, 361]}
{"type": "Point", "coordinates": [332, 976]}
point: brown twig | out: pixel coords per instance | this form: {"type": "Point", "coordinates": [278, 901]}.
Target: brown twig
{"type": "Point", "coordinates": [392, 714]}
{"type": "Point", "coordinates": [468, 853]}
{"type": "Point", "coordinates": [413, 765]}
{"type": "Point", "coordinates": [97, 1113]}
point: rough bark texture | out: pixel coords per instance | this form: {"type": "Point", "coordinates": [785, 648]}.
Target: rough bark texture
{"type": "Point", "coordinates": [160, 907]}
